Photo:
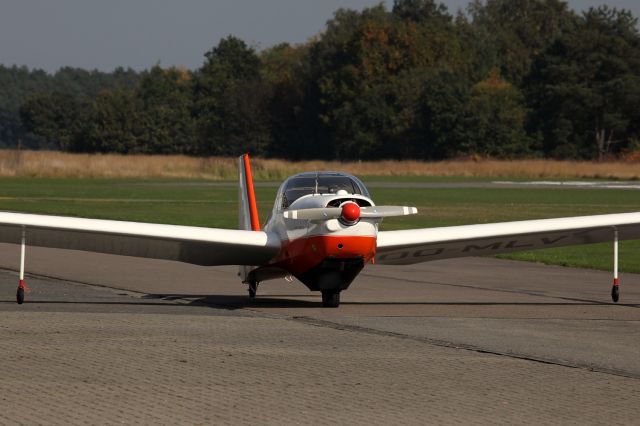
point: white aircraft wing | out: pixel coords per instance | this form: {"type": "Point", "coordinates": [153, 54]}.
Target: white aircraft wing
{"type": "Point", "coordinates": [190, 244]}
{"type": "Point", "coordinates": [422, 245]}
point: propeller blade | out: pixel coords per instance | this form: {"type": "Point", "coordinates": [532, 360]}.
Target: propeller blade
{"type": "Point", "coordinates": [314, 214]}
{"type": "Point", "coordinates": [387, 211]}
{"type": "Point", "coordinates": [327, 213]}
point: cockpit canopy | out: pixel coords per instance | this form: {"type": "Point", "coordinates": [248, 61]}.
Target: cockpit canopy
{"type": "Point", "coordinates": [319, 183]}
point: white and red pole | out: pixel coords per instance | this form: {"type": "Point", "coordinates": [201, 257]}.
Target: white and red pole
{"type": "Point", "coordinates": [22, 250]}
{"type": "Point", "coordinates": [615, 290]}
{"type": "Point", "coordinates": [615, 256]}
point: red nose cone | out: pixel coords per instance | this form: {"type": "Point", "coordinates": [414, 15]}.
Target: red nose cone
{"type": "Point", "coordinates": [350, 212]}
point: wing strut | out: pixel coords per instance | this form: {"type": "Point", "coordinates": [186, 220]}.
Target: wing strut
{"type": "Point", "coordinates": [615, 290]}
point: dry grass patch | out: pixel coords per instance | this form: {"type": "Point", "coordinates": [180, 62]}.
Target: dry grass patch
{"type": "Point", "coordinates": [65, 165]}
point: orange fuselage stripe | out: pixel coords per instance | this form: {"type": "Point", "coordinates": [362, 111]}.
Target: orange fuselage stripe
{"type": "Point", "coordinates": [299, 255]}
{"type": "Point", "coordinates": [251, 196]}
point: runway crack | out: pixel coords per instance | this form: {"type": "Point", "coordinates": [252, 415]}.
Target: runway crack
{"type": "Point", "coordinates": [461, 346]}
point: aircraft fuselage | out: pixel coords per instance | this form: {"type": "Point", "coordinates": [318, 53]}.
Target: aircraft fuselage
{"type": "Point", "coordinates": [324, 255]}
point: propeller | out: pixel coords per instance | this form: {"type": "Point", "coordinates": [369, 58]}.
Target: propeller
{"type": "Point", "coordinates": [322, 213]}
{"type": "Point", "coordinates": [349, 213]}
{"type": "Point", "coordinates": [387, 211]}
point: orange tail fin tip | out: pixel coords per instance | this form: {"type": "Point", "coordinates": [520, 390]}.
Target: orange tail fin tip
{"type": "Point", "coordinates": [251, 196]}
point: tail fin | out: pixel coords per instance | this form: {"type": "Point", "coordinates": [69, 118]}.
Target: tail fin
{"type": "Point", "coordinates": [248, 211]}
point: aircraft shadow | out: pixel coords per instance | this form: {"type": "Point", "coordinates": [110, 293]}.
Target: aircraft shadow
{"type": "Point", "coordinates": [233, 302]}
{"type": "Point", "coordinates": [237, 302]}
{"type": "Point", "coordinates": [85, 302]}
{"type": "Point", "coordinates": [284, 301]}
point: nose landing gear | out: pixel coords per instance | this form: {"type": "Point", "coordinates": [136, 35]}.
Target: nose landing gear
{"type": "Point", "coordinates": [253, 288]}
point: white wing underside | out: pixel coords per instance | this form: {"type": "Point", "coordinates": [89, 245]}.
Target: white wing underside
{"type": "Point", "coordinates": [422, 245]}
{"type": "Point", "coordinates": [190, 244]}
{"type": "Point", "coordinates": [211, 246]}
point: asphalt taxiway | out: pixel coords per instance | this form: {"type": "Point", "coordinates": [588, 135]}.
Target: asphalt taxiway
{"type": "Point", "coordinates": [107, 339]}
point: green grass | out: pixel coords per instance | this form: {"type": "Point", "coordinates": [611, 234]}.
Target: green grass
{"type": "Point", "coordinates": [443, 207]}
{"type": "Point", "coordinates": [203, 203]}
{"type": "Point", "coordinates": [161, 201]}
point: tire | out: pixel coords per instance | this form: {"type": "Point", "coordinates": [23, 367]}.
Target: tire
{"type": "Point", "coordinates": [253, 289]}
{"type": "Point", "coordinates": [615, 293]}
{"type": "Point", "coordinates": [330, 298]}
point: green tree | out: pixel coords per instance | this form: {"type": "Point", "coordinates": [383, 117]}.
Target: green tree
{"type": "Point", "coordinates": [111, 124]}
{"type": "Point", "coordinates": [586, 88]}
{"type": "Point", "coordinates": [495, 120]}
{"type": "Point", "coordinates": [164, 97]}
{"type": "Point", "coordinates": [17, 84]}
{"type": "Point", "coordinates": [287, 73]}
{"type": "Point", "coordinates": [520, 30]}
{"type": "Point", "coordinates": [65, 88]}
{"type": "Point", "coordinates": [363, 63]}
{"type": "Point", "coordinates": [510, 78]}
{"type": "Point", "coordinates": [53, 117]}
{"type": "Point", "coordinates": [440, 128]}
{"type": "Point", "coordinates": [420, 11]}
{"type": "Point", "coordinates": [230, 101]}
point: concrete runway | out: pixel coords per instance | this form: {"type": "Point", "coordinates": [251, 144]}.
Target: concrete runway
{"type": "Point", "coordinates": [107, 339]}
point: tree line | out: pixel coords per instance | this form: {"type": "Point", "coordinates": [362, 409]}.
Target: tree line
{"type": "Point", "coordinates": [506, 79]}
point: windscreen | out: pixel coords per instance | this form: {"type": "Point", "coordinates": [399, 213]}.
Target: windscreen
{"type": "Point", "coordinates": [303, 185]}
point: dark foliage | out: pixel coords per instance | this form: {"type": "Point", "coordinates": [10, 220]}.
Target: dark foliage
{"type": "Point", "coordinates": [509, 78]}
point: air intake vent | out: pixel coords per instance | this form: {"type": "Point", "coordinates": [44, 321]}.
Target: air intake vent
{"type": "Point", "coordinates": [338, 201]}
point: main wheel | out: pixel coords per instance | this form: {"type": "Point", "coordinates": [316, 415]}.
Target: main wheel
{"type": "Point", "coordinates": [330, 298]}
{"type": "Point", "coordinates": [615, 293]}
{"type": "Point", "coordinates": [20, 296]}
{"type": "Point", "coordinates": [253, 289]}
